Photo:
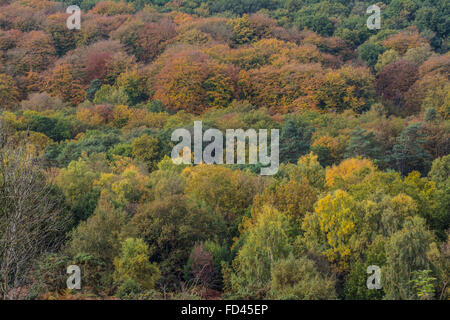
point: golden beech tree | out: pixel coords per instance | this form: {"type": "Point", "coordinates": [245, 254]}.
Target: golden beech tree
{"type": "Point", "coordinates": [190, 80]}
{"type": "Point", "coordinates": [348, 172]}
{"type": "Point", "coordinates": [277, 88]}
{"type": "Point", "coordinates": [346, 88]}
{"type": "Point", "coordinates": [65, 86]}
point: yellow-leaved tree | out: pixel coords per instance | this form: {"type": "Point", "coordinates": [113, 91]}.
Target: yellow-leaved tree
{"type": "Point", "coordinates": [334, 222]}
{"type": "Point", "coordinates": [349, 171]}
{"type": "Point", "coordinates": [133, 264]}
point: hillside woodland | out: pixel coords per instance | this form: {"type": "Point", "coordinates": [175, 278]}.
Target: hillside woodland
{"type": "Point", "coordinates": [86, 178]}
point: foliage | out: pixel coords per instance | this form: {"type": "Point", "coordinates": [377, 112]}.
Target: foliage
{"type": "Point", "coordinates": [423, 284]}
{"type": "Point", "coordinates": [86, 119]}
{"type": "Point", "coordinates": [132, 264]}
{"type": "Point", "coordinates": [299, 279]}
{"type": "Point", "coordinates": [401, 263]}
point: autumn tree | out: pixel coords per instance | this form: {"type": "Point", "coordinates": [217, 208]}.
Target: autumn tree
{"type": "Point", "coordinates": [403, 41]}
{"type": "Point", "coordinates": [42, 101]}
{"type": "Point", "coordinates": [77, 183]}
{"type": "Point", "coordinates": [153, 38]}
{"type": "Point", "coordinates": [346, 88]}
{"type": "Point", "coordinates": [64, 85]}
{"type": "Point", "coordinates": [127, 186]}
{"type": "Point", "coordinates": [348, 171]}
{"type": "Point", "coordinates": [337, 218]}
{"type": "Point", "coordinates": [210, 84]}
{"type": "Point", "coordinates": [227, 192]}
{"type": "Point", "coordinates": [294, 198]}
{"type": "Point", "coordinates": [395, 80]}
{"type": "Point", "coordinates": [9, 93]}
{"type": "Point", "coordinates": [63, 38]}
{"type": "Point", "coordinates": [202, 267]}
{"type": "Point", "coordinates": [279, 88]}
{"type": "Point", "coordinates": [309, 168]}
{"type": "Point", "coordinates": [35, 52]}
{"type": "Point", "coordinates": [111, 8]}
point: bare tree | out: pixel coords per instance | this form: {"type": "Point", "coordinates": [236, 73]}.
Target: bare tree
{"type": "Point", "coordinates": [203, 269]}
{"type": "Point", "coordinates": [31, 221]}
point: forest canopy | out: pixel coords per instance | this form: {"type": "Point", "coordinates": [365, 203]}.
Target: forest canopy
{"type": "Point", "coordinates": [86, 118]}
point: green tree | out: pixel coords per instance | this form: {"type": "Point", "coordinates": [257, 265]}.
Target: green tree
{"type": "Point", "coordinates": [171, 226]}
{"type": "Point", "coordinates": [405, 253]}
{"type": "Point", "coordinates": [295, 141]}
{"type": "Point", "coordinates": [299, 279]}
{"type": "Point", "coordinates": [362, 144]}
{"type": "Point", "coordinates": [99, 235]}
{"type": "Point", "coordinates": [112, 95]}
{"type": "Point", "coordinates": [408, 153]}
{"type": "Point", "coordinates": [430, 115]}
{"type": "Point", "coordinates": [266, 242]}
{"type": "Point", "coordinates": [440, 171]}
{"type": "Point", "coordinates": [93, 88]}
{"type": "Point", "coordinates": [146, 149]}
{"type": "Point", "coordinates": [309, 167]}
{"type": "Point", "coordinates": [133, 264]}
{"type": "Point", "coordinates": [77, 183]}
